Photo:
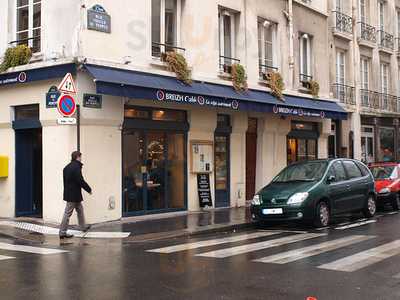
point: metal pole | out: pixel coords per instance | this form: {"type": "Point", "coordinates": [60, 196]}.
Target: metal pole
{"type": "Point", "coordinates": [78, 127]}
{"type": "Point", "coordinates": [291, 47]}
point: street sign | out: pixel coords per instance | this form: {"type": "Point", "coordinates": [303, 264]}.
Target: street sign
{"type": "Point", "coordinates": [92, 100]}
{"type": "Point", "coordinates": [66, 105]}
{"type": "Point", "coordinates": [67, 85]}
{"type": "Point", "coordinates": [52, 97]}
{"type": "Point", "coordinates": [66, 121]}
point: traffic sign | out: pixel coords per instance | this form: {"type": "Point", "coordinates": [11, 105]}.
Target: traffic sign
{"type": "Point", "coordinates": [67, 85]}
{"type": "Point", "coordinates": [66, 105]}
{"type": "Point", "coordinates": [66, 121]}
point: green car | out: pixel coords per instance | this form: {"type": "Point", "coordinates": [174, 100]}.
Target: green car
{"type": "Point", "coordinates": [315, 191]}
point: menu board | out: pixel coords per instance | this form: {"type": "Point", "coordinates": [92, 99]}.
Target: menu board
{"type": "Point", "coordinates": [202, 157]}
{"type": "Point", "coordinates": [204, 190]}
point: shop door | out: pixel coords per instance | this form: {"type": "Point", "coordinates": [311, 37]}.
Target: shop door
{"type": "Point", "coordinates": [222, 177]}
{"type": "Point", "coordinates": [154, 166]}
{"type": "Point", "coordinates": [367, 144]}
{"type": "Point", "coordinates": [251, 158]}
{"type": "Point", "coordinates": [28, 172]}
{"type": "Point", "coordinates": [301, 149]}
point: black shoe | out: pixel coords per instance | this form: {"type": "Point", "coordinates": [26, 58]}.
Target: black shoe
{"type": "Point", "coordinates": [66, 236]}
{"type": "Point", "coordinates": [87, 228]}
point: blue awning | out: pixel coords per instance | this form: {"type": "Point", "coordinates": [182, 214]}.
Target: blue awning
{"type": "Point", "coordinates": [139, 85]}
{"type": "Point", "coordinates": [44, 73]}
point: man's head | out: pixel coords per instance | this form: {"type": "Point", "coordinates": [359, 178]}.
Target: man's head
{"type": "Point", "coordinates": [76, 155]}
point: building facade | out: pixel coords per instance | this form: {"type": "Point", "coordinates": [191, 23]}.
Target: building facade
{"type": "Point", "coordinates": [148, 140]}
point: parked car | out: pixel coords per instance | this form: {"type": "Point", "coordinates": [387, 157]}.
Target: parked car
{"type": "Point", "coordinates": [387, 183]}
{"type": "Point", "coordinates": [315, 191]}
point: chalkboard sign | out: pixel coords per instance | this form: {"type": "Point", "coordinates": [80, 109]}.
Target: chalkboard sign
{"type": "Point", "coordinates": [92, 100]}
{"type": "Point", "coordinates": [204, 190]}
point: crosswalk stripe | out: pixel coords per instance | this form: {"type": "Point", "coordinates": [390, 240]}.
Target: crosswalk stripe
{"type": "Point", "coordinates": [293, 255]}
{"type": "Point", "coordinates": [222, 253]}
{"type": "Point", "coordinates": [3, 257]}
{"type": "Point", "coordinates": [364, 259]}
{"type": "Point", "coordinates": [30, 249]}
{"type": "Point", "coordinates": [355, 225]}
{"type": "Point", "coordinates": [213, 242]}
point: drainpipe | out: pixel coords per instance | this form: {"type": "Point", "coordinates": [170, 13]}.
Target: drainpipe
{"type": "Point", "coordinates": [291, 49]}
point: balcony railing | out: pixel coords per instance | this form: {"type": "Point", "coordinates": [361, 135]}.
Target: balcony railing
{"type": "Point", "coordinates": [34, 42]}
{"type": "Point", "coordinates": [385, 40]}
{"type": "Point", "coordinates": [305, 80]}
{"type": "Point", "coordinates": [380, 101]}
{"type": "Point", "coordinates": [344, 93]}
{"type": "Point", "coordinates": [158, 49]}
{"type": "Point", "coordinates": [263, 71]}
{"type": "Point", "coordinates": [366, 32]}
{"type": "Point", "coordinates": [225, 64]}
{"type": "Point", "coordinates": [343, 22]}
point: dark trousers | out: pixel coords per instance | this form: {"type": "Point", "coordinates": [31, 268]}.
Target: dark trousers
{"type": "Point", "coordinates": [69, 209]}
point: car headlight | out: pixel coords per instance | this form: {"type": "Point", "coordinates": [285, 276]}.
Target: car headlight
{"type": "Point", "coordinates": [385, 191]}
{"type": "Point", "coordinates": [297, 198]}
{"type": "Point", "coordinates": [256, 200]}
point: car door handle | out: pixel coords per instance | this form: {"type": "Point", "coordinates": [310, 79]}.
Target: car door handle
{"type": "Point", "coordinates": [348, 186]}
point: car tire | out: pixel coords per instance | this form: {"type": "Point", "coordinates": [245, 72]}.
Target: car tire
{"type": "Point", "coordinates": [322, 215]}
{"type": "Point", "coordinates": [396, 202]}
{"type": "Point", "coordinates": [370, 207]}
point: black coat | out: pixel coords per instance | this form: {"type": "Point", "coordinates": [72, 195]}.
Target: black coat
{"type": "Point", "coordinates": [74, 182]}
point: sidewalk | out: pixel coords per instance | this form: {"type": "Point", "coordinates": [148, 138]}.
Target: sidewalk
{"type": "Point", "coordinates": [142, 228]}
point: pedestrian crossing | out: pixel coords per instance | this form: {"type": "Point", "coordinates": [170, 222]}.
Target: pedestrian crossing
{"type": "Point", "coordinates": [27, 249]}
{"type": "Point", "coordinates": [296, 247]}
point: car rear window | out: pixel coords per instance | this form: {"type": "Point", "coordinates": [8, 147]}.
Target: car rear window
{"type": "Point", "coordinates": [352, 170]}
{"type": "Point", "coordinates": [384, 172]}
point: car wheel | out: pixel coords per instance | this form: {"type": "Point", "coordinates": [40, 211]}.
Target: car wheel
{"type": "Point", "coordinates": [370, 207]}
{"type": "Point", "coordinates": [322, 215]}
{"type": "Point", "coordinates": [396, 202]}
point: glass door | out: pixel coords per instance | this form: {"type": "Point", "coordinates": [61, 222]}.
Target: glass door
{"type": "Point", "coordinates": [367, 144]}
{"type": "Point", "coordinates": [301, 149]}
{"type": "Point", "coordinates": [222, 170]}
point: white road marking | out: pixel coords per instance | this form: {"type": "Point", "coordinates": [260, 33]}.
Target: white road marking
{"type": "Point", "coordinates": [397, 276]}
{"type": "Point", "coordinates": [213, 242]}
{"type": "Point", "coordinates": [55, 231]}
{"type": "Point", "coordinates": [392, 213]}
{"type": "Point", "coordinates": [358, 224]}
{"type": "Point", "coordinates": [30, 249]}
{"type": "Point", "coordinates": [364, 259]}
{"type": "Point", "coordinates": [2, 257]}
{"type": "Point", "coordinates": [222, 253]}
{"type": "Point", "coordinates": [290, 256]}
{"type": "Point", "coordinates": [322, 228]}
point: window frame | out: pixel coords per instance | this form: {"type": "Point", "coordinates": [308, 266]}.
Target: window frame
{"type": "Point", "coordinates": [341, 67]}
{"type": "Point", "coordinates": [224, 12]}
{"type": "Point", "coordinates": [305, 38]}
{"type": "Point", "coordinates": [364, 73]}
{"type": "Point", "coordinates": [262, 32]}
{"type": "Point", "coordinates": [384, 78]}
{"type": "Point", "coordinates": [381, 15]}
{"type": "Point", "coordinates": [30, 30]}
{"type": "Point", "coordinates": [363, 11]}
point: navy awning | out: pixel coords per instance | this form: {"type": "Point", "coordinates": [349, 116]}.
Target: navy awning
{"type": "Point", "coordinates": [43, 73]}
{"type": "Point", "coordinates": [139, 85]}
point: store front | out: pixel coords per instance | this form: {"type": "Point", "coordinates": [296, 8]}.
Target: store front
{"type": "Point", "coordinates": [154, 160]}
{"type": "Point", "coordinates": [302, 142]}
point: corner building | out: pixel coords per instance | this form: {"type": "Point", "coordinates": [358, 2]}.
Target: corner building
{"type": "Point", "coordinates": [147, 136]}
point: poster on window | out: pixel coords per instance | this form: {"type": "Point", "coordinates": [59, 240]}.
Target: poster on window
{"type": "Point", "coordinates": [201, 157]}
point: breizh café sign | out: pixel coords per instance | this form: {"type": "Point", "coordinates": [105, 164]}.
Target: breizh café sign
{"type": "Point", "coordinates": [20, 77]}
{"type": "Point", "coordinates": [196, 99]}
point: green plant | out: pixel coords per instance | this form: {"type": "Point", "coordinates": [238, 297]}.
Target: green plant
{"type": "Point", "coordinates": [276, 84]}
{"type": "Point", "coordinates": [314, 88]}
{"type": "Point", "coordinates": [16, 56]}
{"type": "Point", "coordinates": [177, 64]}
{"type": "Point", "coordinates": [239, 79]}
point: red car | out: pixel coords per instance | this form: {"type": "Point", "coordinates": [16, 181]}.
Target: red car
{"type": "Point", "coordinates": [387, 183]}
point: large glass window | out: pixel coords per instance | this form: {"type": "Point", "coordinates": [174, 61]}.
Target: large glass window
{"type": "Point", "coordinates": [367, 144]}
{"type": "Point", "coordinates": [29, 24]}
{"type": "Point", "coordinates": [386, 144]}
{"type": "Point", "coordinates": [226, 37]}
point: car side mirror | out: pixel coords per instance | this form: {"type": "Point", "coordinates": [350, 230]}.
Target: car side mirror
{"type": "Point", "coordinates": [331, 179]}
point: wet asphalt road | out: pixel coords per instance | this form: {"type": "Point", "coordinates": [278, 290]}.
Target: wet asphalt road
{"type": "Point", "coordinates": [94, 269]}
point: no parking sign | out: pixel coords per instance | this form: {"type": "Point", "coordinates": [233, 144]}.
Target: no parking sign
{"type": "Point", "coordinates": [66, 105]}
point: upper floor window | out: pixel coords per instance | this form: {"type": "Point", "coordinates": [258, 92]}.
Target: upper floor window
{"type": "Point", "coordinates": [164, 25]}
{"type": "Point", "coordinates": [340, 67]}
{"type": "Point", "coordinates": [384, 78]}
{"type": "Point", "coordinates": [266, 45]}
{"type": "Point", "coordinates": [339, 5]}
{"type": "Point", "coordinates": [398, 23]}
{"type": "Point", "coordinates": [227, 39]}
{"type": "Point", "coordinates": [29, 24]}
{"type": "Point", "coordinates": [305, 58]}
{"type": "Point", "coordinates": [381, 11]}
{"type": "Point", "coordinates": [364, 73]}
{"type": "Point", "coordinates": [363, 11]}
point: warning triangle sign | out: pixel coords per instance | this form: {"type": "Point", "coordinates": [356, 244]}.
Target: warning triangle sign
{"type": "Point", "coordinates": [67, 85]}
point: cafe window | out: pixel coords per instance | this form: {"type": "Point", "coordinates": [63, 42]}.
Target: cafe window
{"type": "Point", "coordinates": [28, 30]}
{"type": "Point", "coordinates": [302, 142]}
{"type": "Point", "coordinates": [155, 114]}
{"type": "Point", "coordinates": [26, 112]}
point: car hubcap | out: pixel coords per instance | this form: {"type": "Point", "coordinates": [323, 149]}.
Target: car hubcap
{"type": "Point", "coordinates": [371, 206]}
{"type": "Point", "coordinates": [324, 214]}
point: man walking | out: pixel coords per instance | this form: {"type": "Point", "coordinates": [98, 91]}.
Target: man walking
{"type": "Point", "coordinates": [73, 185]}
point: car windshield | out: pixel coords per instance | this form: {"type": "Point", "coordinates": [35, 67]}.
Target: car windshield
{"type": "Point", "coordinates": [383, 172]}
{"type": "Point", "coordinates": [310, 171]}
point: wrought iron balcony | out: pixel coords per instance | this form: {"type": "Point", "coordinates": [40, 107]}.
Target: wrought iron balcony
{"type": "Point", "coordinates": [158, 50]}
{"type": "Point", "coordinates": [343, 22]}
{"type": "Point", "coordinates": [366, 32]}
{"type": "Point", "coordinates": [388, 102]}
{"type": "Point", "coordinates": [344, 93]}
{"type": "Point", "coordinates": [34, 42]}
{"type": "Point", "coordinates": [369, 99]}
{"type": "Point", "coordinates": [305, 80]}
{"type": "Point", "coordinates": [263, 71]}
{"type": "Point", "coordinates": [385, 40]}
{"type": "Point", "coordinates": [380, 101]}
{"type": "Point", "coordinates": [225, 64]}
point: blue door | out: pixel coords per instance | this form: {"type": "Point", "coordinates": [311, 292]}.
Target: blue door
{"type": "Point", "coordinates": [222, 170]}
{"type": "Point", "coordinates": [28, 172]}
